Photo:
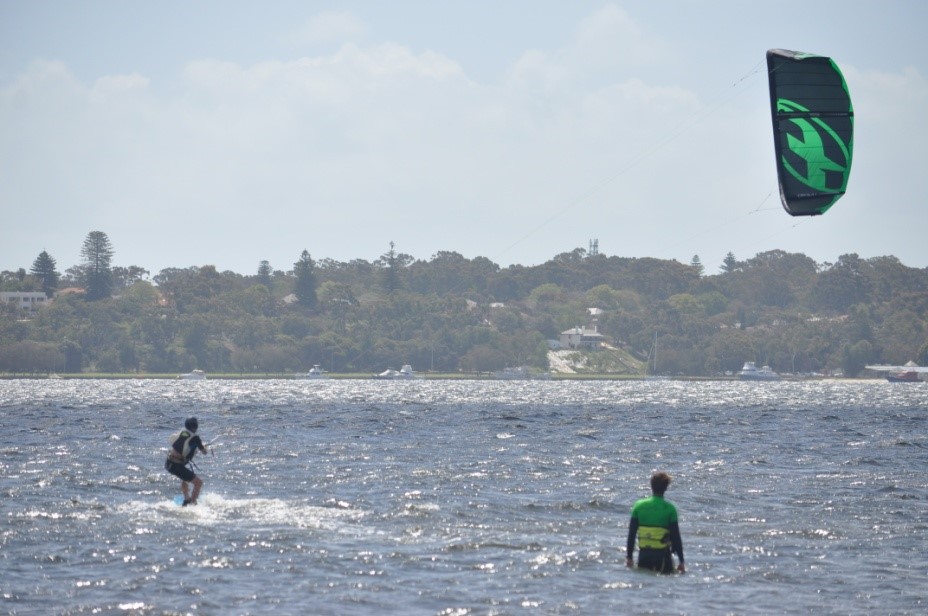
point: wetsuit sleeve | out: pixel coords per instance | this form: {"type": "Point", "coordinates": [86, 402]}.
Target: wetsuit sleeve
{"type": "Point", "coordinates": [676, 541]}
{"type": "Point", "coordinates": [632, 534]}
{"type": "Point", "coordinates": [195, 443]}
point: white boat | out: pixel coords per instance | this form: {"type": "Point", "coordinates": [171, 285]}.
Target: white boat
{"type": "Point", "coordinates": [195, 375]}
{"type": "Point", "coordinates": [404, 373]}
{"type": "Point", "coordinates": [751, 372]}
{"type": "Point", "coordinates": [314, 373]}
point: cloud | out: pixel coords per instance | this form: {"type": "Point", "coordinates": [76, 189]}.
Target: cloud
{"type": "Point", "coordinates": [610, 38]}
{"type": "Point", "coordinates": [373, 140]}
{"type": "Point", "coordinates": [329, 27]}
{"type": "Point", "coordinates": [117, 85]}
{"type": "Point", "coordinates": [606, 46]}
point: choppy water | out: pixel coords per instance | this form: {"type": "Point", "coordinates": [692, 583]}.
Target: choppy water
{"type": "Point", "coordinates": [453, 498]}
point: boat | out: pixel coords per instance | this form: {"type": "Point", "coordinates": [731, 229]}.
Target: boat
{"type": "Point", "coordinates": [908, 373]}
{"type": "Point", "coordinates": [750, 372]}
{"type": "Point", "coordinates": [194, 375]}
{"type": "Point", "coordinates": [314, 373]}
{"type": "Point", "coordinates": [903, 377]}
{"type": "Point", "coordinates": [652, 365]}
{"type": "Point", "coordinates": [403, 374]}
{"type": "Point", "coordinates": [521, 373]}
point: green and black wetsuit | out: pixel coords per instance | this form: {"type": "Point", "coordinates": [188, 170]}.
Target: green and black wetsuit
{"type": "Point", "coordinates": [654, 524]}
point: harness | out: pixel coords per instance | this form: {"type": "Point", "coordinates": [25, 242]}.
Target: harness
{"type": "Point", "coordinates": [181, 452]}
{"type": "Point", "coordinates": [653, 538]}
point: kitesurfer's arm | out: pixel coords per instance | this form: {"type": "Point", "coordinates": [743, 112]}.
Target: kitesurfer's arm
{"type": "Point", "coordinates": [630, 543]}
{"type": "Point", "coordinates": [196, 444]}
{"type": "Point", "coordinates": [676, 544]}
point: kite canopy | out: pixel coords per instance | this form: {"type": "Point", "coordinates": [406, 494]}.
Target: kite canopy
{"type": "Point", "coordinates": [813, 130]}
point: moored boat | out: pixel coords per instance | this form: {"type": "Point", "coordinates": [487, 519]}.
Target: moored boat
{"type": "Point", "coordinates": [404, 373]}
{"type": "Point", "coordinates": [903, 377]}
{"type": "Point", "coordinates": [750, 372]}
{"type": "Point", "coordinates": [907, 373]}
{"type": "Point", "coordinates": [314, 373]}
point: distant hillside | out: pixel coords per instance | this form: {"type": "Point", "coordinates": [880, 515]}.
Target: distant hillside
{"type": "Point", "coordinates": [451, 314]}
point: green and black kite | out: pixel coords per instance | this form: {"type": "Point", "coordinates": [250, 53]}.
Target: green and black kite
{"type": "Point", "coordinates": [813, 130]}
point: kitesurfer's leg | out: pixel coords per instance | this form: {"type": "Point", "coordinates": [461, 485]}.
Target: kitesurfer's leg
{"type": "Point", "coordinates": [197, 484]}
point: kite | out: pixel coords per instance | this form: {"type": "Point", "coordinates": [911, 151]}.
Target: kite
{"type": "Point", "coordinates": [813, 130]}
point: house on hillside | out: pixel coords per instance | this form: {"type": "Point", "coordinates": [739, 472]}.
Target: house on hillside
{"type": "Point", "coordinates": [582, 338]}
{"type": "Point", "coordinates": [27, 302]}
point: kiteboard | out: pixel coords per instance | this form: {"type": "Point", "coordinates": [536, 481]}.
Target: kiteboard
{"type": "Point", "coordinates": [179, 500]}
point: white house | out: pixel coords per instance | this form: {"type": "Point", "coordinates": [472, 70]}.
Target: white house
{"type": "Point", "coordinates": [25, 301]}
{"type": "Point", "coordinates": [581, 338]}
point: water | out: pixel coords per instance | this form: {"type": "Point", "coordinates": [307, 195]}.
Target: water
{"type": "Point", "coordinates": [453, 498]}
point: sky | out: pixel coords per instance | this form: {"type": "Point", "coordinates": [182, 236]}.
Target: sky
{"type": "Point", "coordinates": [227, 133]}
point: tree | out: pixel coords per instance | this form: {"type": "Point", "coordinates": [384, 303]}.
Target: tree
{"type": "Point", "coordinates": [30, 356]}
{"type": "Point", "coordinates": [44, 270]}
{"type": "Point", "coordinates": [855, 356]}
{"type": "Point", "coordinates": [392, 263]}
{"type": "Point", "coordinates": [730, 264]}
{"type": "Point", "coordinates": [696, 264]}
{"type": "Point", "coordinates": [98, 254]}
{"type": "Point", "coordinates": [767, 309]}
{"type": "Point", "coordinates": [125, 277]}
{"type": "Point", "coordinates": [305, 286]}
{"type": "Point", "coordinates": [843, 284]}
{"type": "Point", "coordinates": [264, 273]}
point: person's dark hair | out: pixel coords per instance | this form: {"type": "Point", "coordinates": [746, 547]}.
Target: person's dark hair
{"type": "Point", "coordinates": [659, 482]}
{"type": "Point", "coordinates": [192, 424]}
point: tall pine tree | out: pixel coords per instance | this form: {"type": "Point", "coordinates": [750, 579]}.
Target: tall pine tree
{"type": "Point", "coordinates": [264, 273]}
{"type": "Point", "coordinates": [730, 264]}
{"type": "Point", "coordinates": [390, 264]}
{"type": "Point", "coordinates": [98, 276]}
{"type": "Point", "coordinates": [305, 286]}
{"type": "Point", "coordinates": [696, 264]}
{"type": "Point", "coordinates": [43, 268]}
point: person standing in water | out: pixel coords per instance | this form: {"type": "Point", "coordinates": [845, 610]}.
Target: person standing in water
{"type": "Point", "coordinates": [654, 524]}
{"type": "Point", "coordinates": [184, 445]}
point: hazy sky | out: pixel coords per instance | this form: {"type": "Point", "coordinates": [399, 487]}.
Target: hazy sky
{"type": "Point", "coordinates": [228, 132]}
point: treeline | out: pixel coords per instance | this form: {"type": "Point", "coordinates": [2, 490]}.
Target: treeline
{"type": "Point", "coordinates": [451, 314]}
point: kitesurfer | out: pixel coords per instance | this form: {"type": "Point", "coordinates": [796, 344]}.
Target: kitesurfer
{"type": "Point", "coordinates": [184, 445]}
{"type": "Point", "coordinates": [654, 524]}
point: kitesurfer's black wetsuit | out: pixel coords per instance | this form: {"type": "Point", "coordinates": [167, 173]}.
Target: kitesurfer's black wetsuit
{"type": "Point", "coordinates": [184, 446]}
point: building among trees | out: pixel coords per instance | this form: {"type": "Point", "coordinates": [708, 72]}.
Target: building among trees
{"type": "Point", "coordinates": [26, 302]}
